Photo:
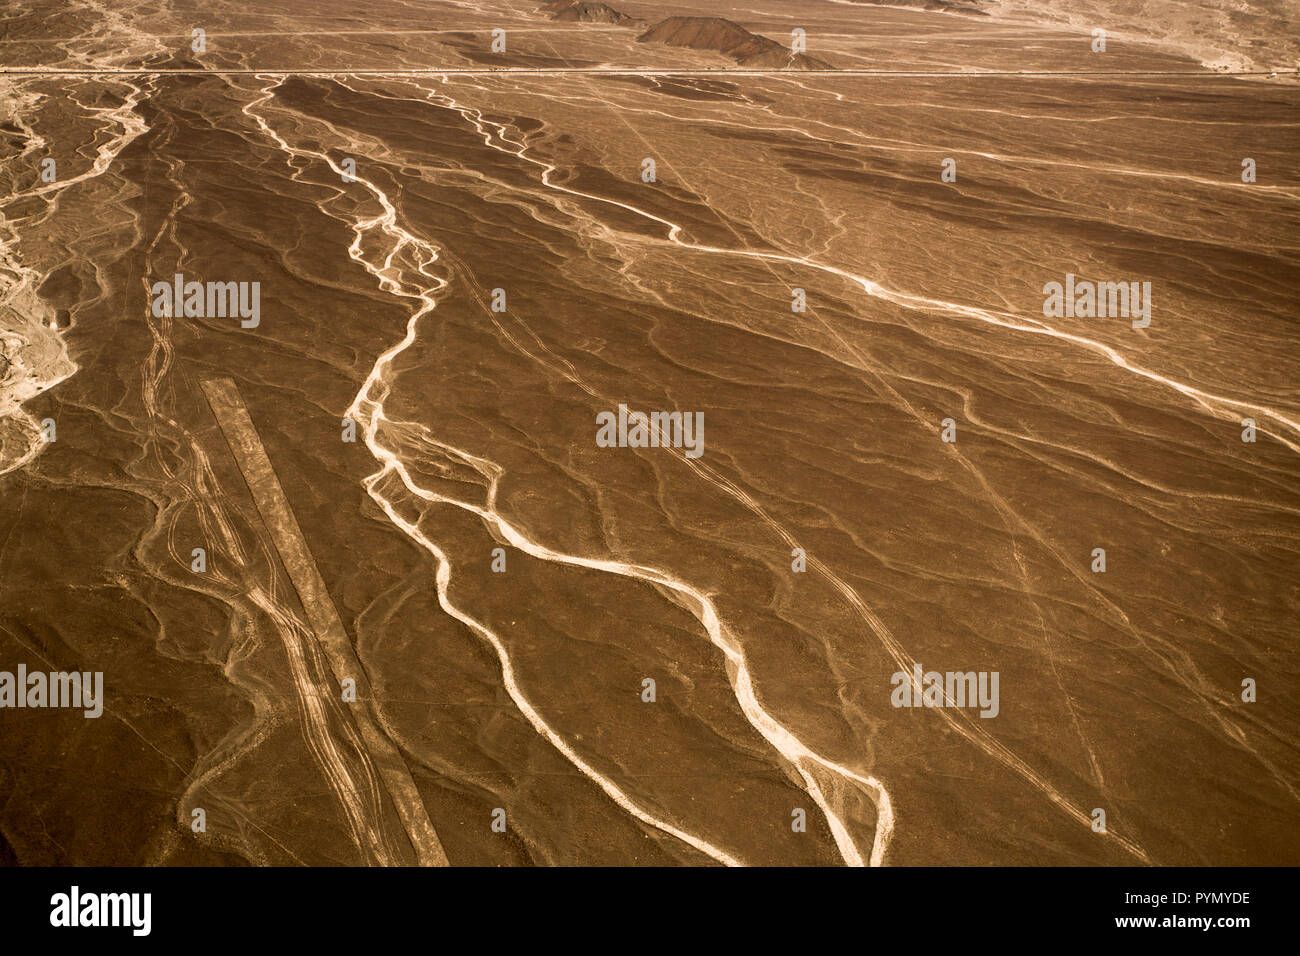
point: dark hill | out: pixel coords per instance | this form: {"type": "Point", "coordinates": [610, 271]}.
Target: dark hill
{"type": "Point", "coordinates": [730, 39]}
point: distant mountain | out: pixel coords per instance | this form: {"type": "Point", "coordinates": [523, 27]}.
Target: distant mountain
{"type": "Point", "coordinates": [731, 39]}
{"type": "Point", "coordinates": [578, 12]}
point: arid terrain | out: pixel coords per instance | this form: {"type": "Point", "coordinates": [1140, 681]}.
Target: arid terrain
{"type": "Point", "coordinates": [370, 578]}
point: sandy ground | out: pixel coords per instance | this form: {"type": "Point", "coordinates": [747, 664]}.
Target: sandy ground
{"type": "Point", "coordinates": [523, 690]}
